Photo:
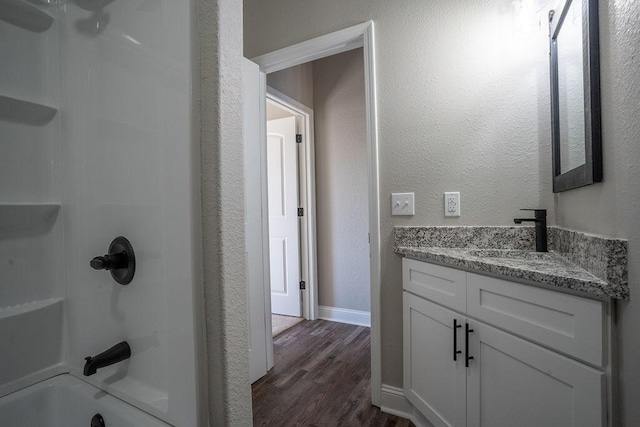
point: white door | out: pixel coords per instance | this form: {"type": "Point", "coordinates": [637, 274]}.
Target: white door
{"type": "Point", "coordinates": [433, 381]}
{"type": "Point", "coordinates": [513, 382]}
{"type": "Point", "coordinates": [256, 251]}
{"type": "Point", "coordinates": [283, 216]}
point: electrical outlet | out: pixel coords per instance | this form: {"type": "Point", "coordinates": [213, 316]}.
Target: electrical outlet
{"type": "Point", "coordinates": [452, 204]}
{"type": "Point", "coordinates": [402, 204]}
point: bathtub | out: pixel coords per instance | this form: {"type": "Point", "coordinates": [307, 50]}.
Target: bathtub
{"type": "Point", "coordinates": [65, 401]}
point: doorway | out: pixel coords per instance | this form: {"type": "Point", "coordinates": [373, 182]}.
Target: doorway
{"type": "Point", "coordinates": [334, 87]}
{"type": "Point", "coordinates": [341, 41]}
{"type": "Point", "coordinates": [292, 264]}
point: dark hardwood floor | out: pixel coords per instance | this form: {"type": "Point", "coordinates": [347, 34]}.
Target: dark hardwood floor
{"type": "Point", "coordinates": [320, 378]}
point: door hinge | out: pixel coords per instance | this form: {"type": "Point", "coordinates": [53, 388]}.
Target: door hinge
{"type": "Point", "coordinates": [300, 211]}
{"type": "Point", "coordinates": [303, 285]}
{"type": "Point", "coordinates": [298, 138]}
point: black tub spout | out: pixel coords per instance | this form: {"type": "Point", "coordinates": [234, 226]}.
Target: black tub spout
{"type": "Point", "coordinates": [115, 354]}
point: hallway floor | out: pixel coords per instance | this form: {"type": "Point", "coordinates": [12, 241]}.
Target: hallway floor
{"type": "Point", "coordinates": [320, 378]}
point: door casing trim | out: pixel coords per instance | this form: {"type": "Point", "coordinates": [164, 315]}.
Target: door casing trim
{"type": "Point", "coordinates": [361, 35]}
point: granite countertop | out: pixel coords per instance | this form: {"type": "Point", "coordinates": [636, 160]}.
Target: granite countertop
{"type": "Point", "coordinates": [508, 252]}
{"type": "Point", "coordinates": [548, 269]}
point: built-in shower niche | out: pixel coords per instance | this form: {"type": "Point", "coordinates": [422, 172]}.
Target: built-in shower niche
{"type": "Point", "coordinates": [32, 318]}
{"type": "Point", "coordinates": [30, 249]}
{"type": "Point", "coordinates": [32, 343]}
{"type": "Point", "coordinates": [32, 338]}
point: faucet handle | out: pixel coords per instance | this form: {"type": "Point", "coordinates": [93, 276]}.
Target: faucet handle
{"type": "Point", "coordinates": [120, 261]}
{"type": "Point", "coordinates": [539, 213]}
{"type": "Point", "coordinates": [101, 263]}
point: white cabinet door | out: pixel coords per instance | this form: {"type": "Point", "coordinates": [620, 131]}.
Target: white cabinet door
{"type": "Point", "coordinates": [513, 382]}
{"type": "Point", "coordinates": [433, 382]}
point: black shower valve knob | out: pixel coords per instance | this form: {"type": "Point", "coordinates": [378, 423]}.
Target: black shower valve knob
{"type": "Point", "coordinates": [120, 261]}
{"type": "Point", "coordinates": [110, 261]}
{"type": "Point", "coordinates": [101, 263]}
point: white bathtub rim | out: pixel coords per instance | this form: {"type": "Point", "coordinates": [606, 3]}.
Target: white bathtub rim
{"type": "Point", "coordinates": [64, 371]}
{"type": "Point", "coordinates": [115, 392]}
{"type": "Point", "coordinates": [33, 379]}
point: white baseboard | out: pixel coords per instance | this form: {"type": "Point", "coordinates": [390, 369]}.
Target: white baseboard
{"type": "Point", "coordinates": [392, 401]}
{"type": "Point", "coordinates": [344, 315]}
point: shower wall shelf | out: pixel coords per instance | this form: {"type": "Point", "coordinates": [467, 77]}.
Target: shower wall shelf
{"type": "Point", "coordinates": [39, 347]}
{"type": "Point", "coordinates": [18, 309]}
{"type": "Point", "coordinates": [18, 110]}
{"type": "Point", "coordinates": [25, 15]}
{"type": "Point", "coordinates": [27, 216]}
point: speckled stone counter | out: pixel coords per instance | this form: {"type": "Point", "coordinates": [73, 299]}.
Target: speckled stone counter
{"type": "Point", "coordinates": [581, 262]}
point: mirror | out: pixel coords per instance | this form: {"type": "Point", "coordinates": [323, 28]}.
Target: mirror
{"type": "Point", "coordinates": [575, 95]}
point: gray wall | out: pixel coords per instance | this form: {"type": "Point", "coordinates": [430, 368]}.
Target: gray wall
{"type": "Point", "coordinates": [341, 181]}
{"type": "Point", "coordinates": [463, 105]}
{"type": "Point", "coordinates": [613, 207]}
{"type": "Point", "coordinates": [334, 88]}
{"type": "Point", "coordinates": [295, 82]}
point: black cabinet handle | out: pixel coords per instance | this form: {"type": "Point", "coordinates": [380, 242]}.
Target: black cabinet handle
{"type": "Point", "coordinates": [456, 352]}
{"type": "Point", "coordinates": [467, 331]}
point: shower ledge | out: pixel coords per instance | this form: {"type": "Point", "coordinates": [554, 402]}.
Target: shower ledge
{"type": "Point", "coordinates": [27, 216]}
{"type": "Point", "coordinates": [25, 15]}
{"type": "Point", "coordinates": [18, 309]}
{"type": "Point", "coordinates": [20, 111]}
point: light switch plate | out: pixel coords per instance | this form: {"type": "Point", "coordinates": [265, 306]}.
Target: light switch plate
{"type": "Point", "coordinates": [452, 204]}
{"type": "Point", "coordinates": [403, 204]}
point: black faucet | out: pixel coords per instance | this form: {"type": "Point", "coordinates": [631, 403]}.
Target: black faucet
{"type": "Point", "coordinates": [541, 227]}
{"type": "Point", "coordinates": [115, 354]}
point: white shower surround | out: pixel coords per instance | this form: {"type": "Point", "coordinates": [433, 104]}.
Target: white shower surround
{"type": "Point", "coordinates": [116, 158]}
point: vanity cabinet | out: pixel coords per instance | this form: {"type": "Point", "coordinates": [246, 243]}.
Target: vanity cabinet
{"type": "Point", "coordinates": [513, 366]}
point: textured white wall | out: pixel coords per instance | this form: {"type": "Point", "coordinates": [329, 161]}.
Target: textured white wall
{"type": "Point", "coordinates": [341, 181]}
{"type": "Point", "coordinates": [463, 105]}
{"type": "Point", "coordinates": [222, 178]}
{"type": "Point", "coordinates": [613, 207]}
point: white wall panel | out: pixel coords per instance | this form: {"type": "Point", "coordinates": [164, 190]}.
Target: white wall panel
{"type": "Point", "coordinates": [126, 80]}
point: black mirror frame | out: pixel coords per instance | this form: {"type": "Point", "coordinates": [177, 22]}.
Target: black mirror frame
{"type": "Point", "coordinates": [591, 171]}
